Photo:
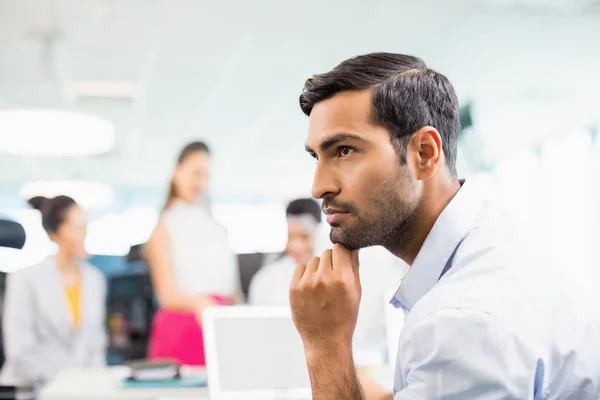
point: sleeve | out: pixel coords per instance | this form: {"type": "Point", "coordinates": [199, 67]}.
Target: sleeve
{"type": "Point", "coordinates": [99, 336]}
{"type": "Point", "coordinates": [33, 361]}
{"type": "Point", "coordinates": [458, 354]}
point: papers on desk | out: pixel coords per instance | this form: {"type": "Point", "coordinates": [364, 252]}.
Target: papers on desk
{"type": "Point", "coordinates": [148, 370]}
{"type": "Point", "coordinates": [146, 374]}
{"type": "Point", "coordinates": [190, 382]}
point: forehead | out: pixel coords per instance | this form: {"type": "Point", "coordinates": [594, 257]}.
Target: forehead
{"type": "Point", "coordinates": [347, 112]}
{"type": "Point", "coordinates": [195, 159]}
{"type": "Point", "coordinates": [74, 214]}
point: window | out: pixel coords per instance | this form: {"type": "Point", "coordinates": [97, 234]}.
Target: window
{"type": "Point", "coordinates": [567, 187]}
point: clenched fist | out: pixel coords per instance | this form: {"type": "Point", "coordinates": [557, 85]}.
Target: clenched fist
{"type": "Point", "coordinates": [325, 296]}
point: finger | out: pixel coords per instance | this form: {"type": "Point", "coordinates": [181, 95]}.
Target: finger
{"type": "Point", "coordinates": [311, 268]}
{"type": "Point", "coordinates": [327, 260]}
{"type": "Point", "coordinates": [298, 273]}
{"type": "Point", "coordinates": [342, 258]}
{"type": "Point", "coordinates": [326, 264]}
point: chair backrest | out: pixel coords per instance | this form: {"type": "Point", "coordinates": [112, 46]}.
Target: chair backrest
{"type": "Point", "coordinates": [16, 393]}
{"type": "Point", "coordinates": [130, 300]}
{"type": "Point", "coordinates": [248, 265]}
{"type": "Point", "coordinates": [12, 234]}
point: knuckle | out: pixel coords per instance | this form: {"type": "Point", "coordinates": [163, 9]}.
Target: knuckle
{"type": "Point", "coordinates": [340, 283]}
{"type": "Point", "coordinates": [294, 293]}
{"type": "Point", "coordinates": [319, 283]}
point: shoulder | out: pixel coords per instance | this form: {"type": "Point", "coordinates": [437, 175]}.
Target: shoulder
{"type": "Point", "coordinates": [277, 267]}
{"type": "Point", "coordinates": [33, 272]}
{"type": "Point", "coordinates": [265, 271]}
{"type": "Point", "coordinates": [463, 336]}
{"type": "Point", "coordinates": [503, 274]}
{"type": "Point", "coordinates": [465, 351]}
{"type": "Point", "coordinates": [93, 275]}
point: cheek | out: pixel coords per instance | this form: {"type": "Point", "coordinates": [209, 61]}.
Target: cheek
{"type": "Point", "coordinates": [77, 239]}
{"type": "Point", "coordinates": [368, 181]}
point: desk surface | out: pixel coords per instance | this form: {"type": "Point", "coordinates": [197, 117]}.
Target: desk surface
{"type": "Point", "coordinates": [105, 384]}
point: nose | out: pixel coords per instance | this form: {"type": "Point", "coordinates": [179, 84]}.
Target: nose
{"type": "Point", "coordinates": [324, 182]}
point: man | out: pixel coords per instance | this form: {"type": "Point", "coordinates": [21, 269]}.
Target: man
{"type": "Point", "coordinates": [489, 314]}
{"type": "Point", "coordinates": [269, 287]}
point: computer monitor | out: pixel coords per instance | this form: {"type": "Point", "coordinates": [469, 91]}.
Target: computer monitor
{"type": "Point", "coordinates": [254, 353]}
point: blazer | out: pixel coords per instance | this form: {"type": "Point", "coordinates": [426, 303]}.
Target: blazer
{"type": "Point", "coordinates": [39, 337]}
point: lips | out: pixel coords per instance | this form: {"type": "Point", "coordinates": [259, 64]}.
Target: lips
{"type": "Point", "coordinates": [334, 216]}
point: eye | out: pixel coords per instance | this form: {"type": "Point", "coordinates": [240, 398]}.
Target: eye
{"type": "Point", "coordinates": [344, 151]}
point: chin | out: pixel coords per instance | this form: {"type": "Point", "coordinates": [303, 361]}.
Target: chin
{"type": "Point", "coordinates": [337, 237]}
{"type": "Point", "coordinates": [352, 239]}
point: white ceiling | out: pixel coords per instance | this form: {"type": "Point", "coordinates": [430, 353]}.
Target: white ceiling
{"type": "Point", "coordinates": [231, 72]}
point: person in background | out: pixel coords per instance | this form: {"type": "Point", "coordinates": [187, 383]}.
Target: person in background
{"type": "Point", "coordinates": [54, 312]}
{"type": "Point", "coordinates": [270, 285]}
{"type": "Point", "coordinates": [191, 265]}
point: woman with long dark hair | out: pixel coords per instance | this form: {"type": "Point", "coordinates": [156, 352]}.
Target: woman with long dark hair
{"type": "Point", "coordinates": [54, 312]}
{"type": "Point", "coordinates": [191, 265]}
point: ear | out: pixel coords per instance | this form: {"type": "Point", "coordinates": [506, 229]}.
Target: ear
{"type": "Point", "coordinates": [428, 152]}
{"type": "Point", "coordinates": [53, 237]}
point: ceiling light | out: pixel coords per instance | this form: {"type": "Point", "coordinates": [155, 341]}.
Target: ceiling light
{"type": "Point", "coordinates": [105, 89]}
{"type": "Point", "coordinates": [54, 133]}
{"type": "Point", "coordinates": [89, 195]}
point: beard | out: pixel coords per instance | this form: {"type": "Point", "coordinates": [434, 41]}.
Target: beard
{"type": "Point", "coordinates": [387, 222]}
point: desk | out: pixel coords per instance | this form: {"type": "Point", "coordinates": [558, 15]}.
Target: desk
{"type": "Point", "coordinates": [105, 384]}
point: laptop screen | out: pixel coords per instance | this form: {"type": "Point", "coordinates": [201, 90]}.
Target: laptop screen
{"type": "Point", "coordinates": [259, 353]}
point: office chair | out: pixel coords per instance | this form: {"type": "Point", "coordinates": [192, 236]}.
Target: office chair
{"type": "Point", "coordinates": [131, 302]}
{"type": "Point", "coordinates": [12, 235]}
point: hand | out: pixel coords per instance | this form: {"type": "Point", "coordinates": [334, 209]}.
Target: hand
{"type": "Point", "coordinates": [324, 298]}
{"type": "Point", "coordinates": [201, 304]}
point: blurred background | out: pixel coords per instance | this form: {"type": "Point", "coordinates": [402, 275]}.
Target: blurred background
{"type": "Point", "coordinates": [97, 97]}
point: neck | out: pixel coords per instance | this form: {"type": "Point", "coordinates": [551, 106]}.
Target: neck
{"type": "Point", "coordinates": [66, 261]}
{"type": "Point", "coordinates": [435, 197]}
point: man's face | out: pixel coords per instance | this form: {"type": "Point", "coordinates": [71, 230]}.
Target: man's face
{"type": "Point", "coordinates": [368, 196]}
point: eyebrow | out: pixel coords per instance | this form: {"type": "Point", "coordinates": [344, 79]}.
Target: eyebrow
{"type": "Point", "coordinates": [335, 139]}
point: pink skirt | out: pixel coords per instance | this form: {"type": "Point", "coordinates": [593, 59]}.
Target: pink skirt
{"type": "Point", "coordinates": [178, 336]}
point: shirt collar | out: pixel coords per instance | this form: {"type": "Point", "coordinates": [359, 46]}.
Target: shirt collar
{"type": "Point", "coordinates": [455, 221]}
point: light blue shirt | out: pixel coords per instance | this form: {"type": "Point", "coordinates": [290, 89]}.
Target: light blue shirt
{"type": "Point", "coordinates": [506, 320]}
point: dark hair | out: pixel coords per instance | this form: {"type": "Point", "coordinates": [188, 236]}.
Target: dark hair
{"type": "Point", "coordinates": [406, 96]}
{"type": "Point", "coordinates": [304, 206]}
{"type": "Point", "coordinates": [53, 210]}
{"type": "Point", "coordinates": [190, 148]}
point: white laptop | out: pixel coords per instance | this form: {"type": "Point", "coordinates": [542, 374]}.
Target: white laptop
{"type": "Point", "coordinates": [254, 353]}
